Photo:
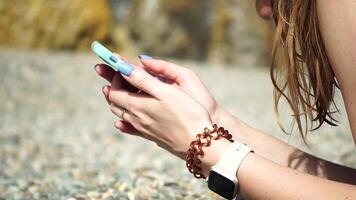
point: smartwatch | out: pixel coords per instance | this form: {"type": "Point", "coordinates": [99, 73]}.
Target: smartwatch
{"type": "Point", "coordinates": [222, 176]}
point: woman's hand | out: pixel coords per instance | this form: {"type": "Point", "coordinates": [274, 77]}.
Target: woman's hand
{"type": "Point", "coordinates": [172, 74]}
{"type": "Point", "coordinates": [161, 112]}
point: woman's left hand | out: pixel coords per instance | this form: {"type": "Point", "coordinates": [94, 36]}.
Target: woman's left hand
{"type": "Point", "coordinates": [161, 112]}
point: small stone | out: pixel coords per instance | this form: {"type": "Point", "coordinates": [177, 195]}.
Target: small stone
{"type": "Point", "coordinates": [36, 195]}
{"type": "Point", "coordinates": [111, 191]}
{"type": "Point", "coordinates": [13, 189]}
{"type": "Point", "coordinates": [108, 193]}
{"type": "Point", "coordinates": [105, 195]}
{"type": "Point", "coordinates": [17, 196]}
{"type": "Point", "coordinates": [93, 194]}
{"type": "Point", "coordinates": [131, 196]}
{"type": "Point", "coordinates": [105, 180]}
{"type": "Point", "coordinates": [171, 184]}
{"type": "Point", "coordinates": [119, 195]}
{"type": "Point", "coordinates": [22, 184]}
{"type": "Point", "coordinates": [80, 197]}
{"type": "Point", "coordinates": [143, 195]}
{"type": "Point", "coordinates": [122, 187]}
{"type": "Point", "coordinates": [102, 180]}
{"type": "Point", "coordinates": [33, 189]}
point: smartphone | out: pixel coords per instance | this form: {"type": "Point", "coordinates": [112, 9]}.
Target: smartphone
{"type": "Point", "coordinates": [111, 59]}
{"type": "Point", "coordinates": [115, 63]}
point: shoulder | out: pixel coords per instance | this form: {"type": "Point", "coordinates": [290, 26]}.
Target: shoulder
{"type": "Point", "coordinates": [337, 23]}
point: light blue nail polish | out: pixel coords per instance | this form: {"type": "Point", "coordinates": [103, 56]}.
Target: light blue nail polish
{"type": "Point", "coordinates": [145, 57]}
{"type": "Point", "coordinates": [125, 68]}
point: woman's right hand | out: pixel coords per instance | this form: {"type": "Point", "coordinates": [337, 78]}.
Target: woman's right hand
{"type": "Point", "coordinates": [183, 78]}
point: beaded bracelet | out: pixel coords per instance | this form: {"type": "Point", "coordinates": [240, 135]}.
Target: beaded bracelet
{"type": "Point", "coordinates": [195, 150]}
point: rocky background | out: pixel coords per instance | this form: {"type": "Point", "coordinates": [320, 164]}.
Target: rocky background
{"type": "Point", "coordinates": [57, 139]}
{"type": "Point", "coordinates": [217, 31]}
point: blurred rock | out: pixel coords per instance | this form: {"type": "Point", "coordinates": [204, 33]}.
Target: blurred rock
{"type": "Point", "coordinates": [63, 24]}
{"type": "Point", "coordinates": [217, 31]}
{"type": "Point", "coordinates": [238, 35]}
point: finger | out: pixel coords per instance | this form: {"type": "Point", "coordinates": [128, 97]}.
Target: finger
{"type": "Point", "coordinates": [133, 102]}
{"type": "Point", "coordinates": [119, 112]}
{"type": "Point", "coordinates": [126, 127]}
{"type": "Point", "coordinates": [118, 82]}
{"type": "Point", "coordinates": [129, 129]}
{"type": "Point", "coordinates": [166, 69]}
{"type": "Point", "coordinates": [105, 71]}
{"type": "Point", "coordinates": [106, 92]}
{"type": "Point", "coordinates": [144, 81]}
{"type": "Point", "coordinates": [128, 60]}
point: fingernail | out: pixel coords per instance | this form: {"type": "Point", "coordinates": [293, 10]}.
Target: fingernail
{"type": "Point", "coordinates": [104, 89]}
{"type": "Point", "coordinates": [145, 57]}
{"type": "Point", "coordinates": [96, 66]}
{"type": "Point", "coordinates": [116, 125]}
{"type": "Point", "coordinates": [125, 68]}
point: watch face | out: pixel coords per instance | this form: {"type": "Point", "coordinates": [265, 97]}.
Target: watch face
{"type": "Point", "coordinates": [221, 185]}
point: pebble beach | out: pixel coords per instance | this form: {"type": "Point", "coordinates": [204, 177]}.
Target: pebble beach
{"type": "Point", "coordinates": [58, 141]}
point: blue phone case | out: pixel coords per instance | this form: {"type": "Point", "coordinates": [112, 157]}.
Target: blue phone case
{"type": "Point", "coordinates": [113, 61]}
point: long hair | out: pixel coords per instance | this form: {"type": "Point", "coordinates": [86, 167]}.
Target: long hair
{"type": "Point", "coordinates": [300, 69]}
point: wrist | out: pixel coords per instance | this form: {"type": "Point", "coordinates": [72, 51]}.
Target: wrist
{"type": "Point", "coordinates": [206, 149]}
{"type": "Point", "coordinates": [229, 121]}
{"type": "Point", "coordinates": [218, 115]}
{"type": "Point", "coordinates": [213, 153]}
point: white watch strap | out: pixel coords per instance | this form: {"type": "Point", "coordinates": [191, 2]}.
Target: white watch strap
{"type": "Point", "coordinates": [231, 159]}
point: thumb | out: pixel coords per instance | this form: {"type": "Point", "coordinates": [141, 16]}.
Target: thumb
{"type": "Point", "coordinates": [162, 68]}
{"type": "Point", "coordinates": [145, 82]}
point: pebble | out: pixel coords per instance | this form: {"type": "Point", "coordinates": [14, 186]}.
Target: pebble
{"type": "Point", "coordinates": [36, 195]}
{"type": "Point", "coordinates": [109, 193]}
{"type": "Point", "coordinates": [33, 189]}
{"type": "Point", "coordinates": [121, 187]}
{"type": "Point", "coordinates": [131, 196]}
{"type": "Point", "coordinates": [93, 194]}
{"type": "Point", "coordinates": [17, 196]}
{"type": "Point", "coordinates": [22, 184]}
{"type": "Point", "coordinates": [13, 189]}
{"type": "Point", "coordinates": [80, 197]}
{"type": "Point", "coordinates": [143, 195]}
